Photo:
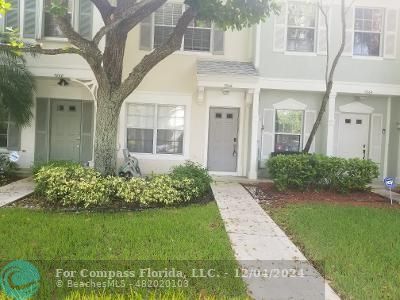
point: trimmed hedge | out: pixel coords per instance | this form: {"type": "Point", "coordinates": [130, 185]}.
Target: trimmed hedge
{"type": "Point", "coordinates": [72, 185]}
{"type": "Point", "coordinates": [311, 172]}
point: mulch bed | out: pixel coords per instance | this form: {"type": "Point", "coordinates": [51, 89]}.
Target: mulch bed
{"type": "Point", "coordinates": [37, 202]}
{"type": "Point", "coordinates": [267, 194]}
{"type": "Point", "coordinates": [4, 180]}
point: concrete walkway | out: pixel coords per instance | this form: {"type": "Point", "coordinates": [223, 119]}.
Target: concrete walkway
{"type": "Point", "coordinates": [16, 190]}
{"type": "Point", "coordinates": [260, 245]}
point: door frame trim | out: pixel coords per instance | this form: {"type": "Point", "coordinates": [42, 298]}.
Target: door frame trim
{"type": "Point", "coordinates": [51, 102]}
{"type": "Point", "coordinates": [239, 169]}
{"type": "Point", "coordinates": [224, 173]}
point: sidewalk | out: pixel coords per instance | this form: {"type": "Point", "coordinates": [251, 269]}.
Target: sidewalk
{"type": "Point", "coordinates": [259, 244]}
{"type": "Point", "coordinates": [16, 190]}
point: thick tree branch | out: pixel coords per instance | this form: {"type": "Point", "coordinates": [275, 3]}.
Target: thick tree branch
{"type": "Point", "coordinates": [88, 50]}
{"type": "Point", "coordinates": [134, 14]}
{"type": "Point", "coordinates": [151, 60]}
{"type": "Point", "coordinates": [105, 9]}
{"type": "Point", "coordinates": [37, 49]}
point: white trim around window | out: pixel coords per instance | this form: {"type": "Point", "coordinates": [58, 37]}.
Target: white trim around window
{"type": "Point", "coordinates": [158, 100]}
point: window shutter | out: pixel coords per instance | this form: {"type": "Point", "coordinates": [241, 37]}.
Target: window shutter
{"type": "Point", "coordinates": [42, 130]}
{"type": "Point", "coordinates": [85, 18]}
{"type": "Point", "coordinates": [14, 137]}
{"type": "Point", "coordinates": [279, 39]}
{"type": "Point", "coordinates": [146, 34]}
{"type": "Point", "coordinates": [30, 19]}
{"type": "Point", "coordinates": [218, 41]}
{"type": "Point", "coordinates": [12, 17]}
{"type": "Point", "coordinates": [267, 136]}
{"type": "Point", "coordinates": [87, 131]}
{"type": "Point", "coordinates": [322, 31]}
{"type": "Point", "coordinates": [309, 120]}
{"type": "Point", "coordinates": [390, 40]}
{"type": "Point", "coordinates": [348, 49]}
{"type": "Point", "coordinates": [375, 147]}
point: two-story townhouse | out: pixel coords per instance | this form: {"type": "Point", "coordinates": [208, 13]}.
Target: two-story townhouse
{"type": "Point", "coordinates": [174, 115]}
{"type": "Point", "coordinates": [362, 119]}
{"type": "Point", "coordinates": [227, 99]}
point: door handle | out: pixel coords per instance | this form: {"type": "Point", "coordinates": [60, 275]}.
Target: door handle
{"type": "Point", "coordinates": [364, 151]}
{"type": "Point", "coordinates": [234, 147]}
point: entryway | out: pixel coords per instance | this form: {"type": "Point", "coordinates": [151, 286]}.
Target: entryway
{"type": "Point", "coordinates": [223, 139]}
{"type": "Point", "coordinates": [354, 135]}
{"type": "Point", "coordinates": [65, 139]}
{"type": "Point", "coordinates": [64, 130]}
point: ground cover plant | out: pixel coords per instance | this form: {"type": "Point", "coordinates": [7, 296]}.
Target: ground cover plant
{"type": "Point", "coordinates": [67, 184]}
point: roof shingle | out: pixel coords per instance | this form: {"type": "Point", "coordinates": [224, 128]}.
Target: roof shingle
{"type": "Point", "coordinates": [223, 67]}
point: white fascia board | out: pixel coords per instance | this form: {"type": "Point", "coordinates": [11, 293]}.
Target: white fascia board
{"type": "Point", "coordinates": [362, 88]}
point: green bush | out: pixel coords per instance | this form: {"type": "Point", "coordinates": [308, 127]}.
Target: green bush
{"type": "Point", "coordinates": [70, 184]}
{"type": "Point", "coordinates": [305, 172]}
{"type": "Point", "coordinates": [197, 173]}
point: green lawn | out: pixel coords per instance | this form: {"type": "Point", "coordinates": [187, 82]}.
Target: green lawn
{"type": "Point", "coordinates": [190, 233]}
{"type": "Point", "coordinates": [359, 247]}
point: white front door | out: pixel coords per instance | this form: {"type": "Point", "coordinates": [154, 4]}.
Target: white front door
{"type": "Point", "coordinates": [353, 136]}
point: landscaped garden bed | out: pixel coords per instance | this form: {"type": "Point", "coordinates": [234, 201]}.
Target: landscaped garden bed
{"type": "Point", "coordinates": [70, 186]}
{"type": "Point", "coordinates": [163, 222]}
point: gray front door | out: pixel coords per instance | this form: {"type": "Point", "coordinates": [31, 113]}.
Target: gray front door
{"type": "Point", "coordinates": [65, 130]}
{"type": "Point", "coordinates": [223, 139]}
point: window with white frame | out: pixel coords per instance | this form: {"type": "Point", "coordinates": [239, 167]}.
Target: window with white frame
{"type": "Point", "coordinates": [51, 28]}
{"type": "Point", "coordinates": [301, 27]}
{"type": "Point", "coordinates": [3, 134]}
{"type": "Point", "coordinates": [288, 130]}
{"type": "Point", "coordinates": [368, 31]}
{"type": "Point", "coordinates": [25, 18]}
{"type": "Point", "coordinates": [197, 36]}
{"type": "Point", "coordinates": [155, 128]}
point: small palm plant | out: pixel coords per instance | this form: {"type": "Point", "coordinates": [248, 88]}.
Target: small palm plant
{"type": "Point", "coordinates": [17, 84]}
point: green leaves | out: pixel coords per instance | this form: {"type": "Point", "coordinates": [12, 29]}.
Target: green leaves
{"type": "Point", "coordinates": [234, 14]}
{"type": "Point", "coordinates": [4, 7]}
{"type": "Point", "coordinates": [305, 172]}
{"type": "Point", "coordinates": [58, 7]}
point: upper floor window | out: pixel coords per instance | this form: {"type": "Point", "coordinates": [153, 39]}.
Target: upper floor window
{"type": "Point", "coordinates": [26, 18]}
{"type": "Point", "coordinates": [200, 36]}
{"type": "Point", "coordinates": [301, 27]}
{"type": "Point", "coordinates": [197, 37]}
{"type": "Point", "coordinates": [368, 31]}
{"type": "Point", "coordinates": [288, 130]}
{"type": "Point", "coordinates": [51, 28]}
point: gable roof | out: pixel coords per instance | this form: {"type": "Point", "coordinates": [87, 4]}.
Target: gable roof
{"type": "Point", "coordinates": [225, 67]}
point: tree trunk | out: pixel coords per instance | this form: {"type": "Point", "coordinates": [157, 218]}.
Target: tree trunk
{"type": "Point", "coordinates": [105, 151]}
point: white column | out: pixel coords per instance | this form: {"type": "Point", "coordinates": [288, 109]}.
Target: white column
{"type": "Point", "coordinates": [387, 135]}
{"type": "Point", "coordinates": [330, 133]}
{"type": "Point", "coordinates": [253, 161]}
